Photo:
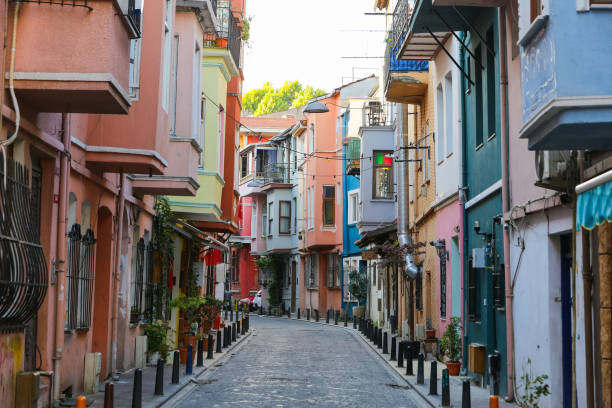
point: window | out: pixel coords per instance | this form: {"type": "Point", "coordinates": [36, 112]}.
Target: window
{"type": "Point", "coordinates": [448, 114]}
{"type": "Point", "coordinates": [221, 139]}
{"type": "Point", "coordinates": [311, 208]}
{"type": "Point", "coordinates": [244, 166]}
{"type": "Point", "coordinates": [353, 206]}
{"type": "Point", "coordinates": [79, 278]}
{"type": "Point", "coordinates": [383, 175]}
{"type": "Point", "coordinates": [235, 276]}
{"type": "Point", "coordinates": [333, 270]}
{"type": "Point", "coordinates": [479, 100]}
{"type": "Point", "coordinates": [440, 124]}
{"type": "Point", "coordinates": [311, 141]}
{"type": "Point", "coordinates": [490, 85]}
{"type": "Point", "coordinates": [264, 220]}
{"type": "Point", "coordinates": [196, 115]}
{"type": "Point", "coordinates": [167, 52]}
{"type": "Point", "coordinates": [175, 59]}
{"type": "Point", "coordinates": [295, 216]}
{"type": "Point", "coordinates": [312, 271]}
{"type": "Point", "coordinates": [284, 217]}
{"type": "Point", "coordinates": [202, 120]}
{"type": "Point", "coordinates": [329, 209]}
{"type": "Point", "coordinates": [137, 277]}
{"type": "Point", "coordinates": [536, 7]}
{"type": "Point", "coordinates": [135, 51]}
{"type": "Point", "coordinates": [254, 220]}
{"type": "Point", "coordinates": [270, 217]}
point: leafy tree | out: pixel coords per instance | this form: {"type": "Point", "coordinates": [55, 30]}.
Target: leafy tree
{"type": "Point", "coordinates": [266, 99]}
{"type": "Point", "coordinates": [358, 285]}
{"type": "Point", "coordinates": [251, 99]}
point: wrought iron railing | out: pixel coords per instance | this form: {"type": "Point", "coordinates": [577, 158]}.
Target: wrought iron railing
{"type": "Point", "coordinates": [376, 113]}
{"type": "Point", "coordinates": [401, 19]}
{"type": "Point", "coordinates": [79, 278]}
{"type": "Point", "coordinates": [23, 268]}
{"type": "Point", "coordinates": [138, 282]}
{"type": "Point", "coordinates": [228, 34]}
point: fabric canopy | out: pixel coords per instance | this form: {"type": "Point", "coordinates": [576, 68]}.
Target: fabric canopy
{"type": "Point", "coordinates": [594, 206]}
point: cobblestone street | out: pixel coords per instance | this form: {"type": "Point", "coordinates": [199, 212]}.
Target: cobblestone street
{"type": "Point", "coordinates": [298, 364]}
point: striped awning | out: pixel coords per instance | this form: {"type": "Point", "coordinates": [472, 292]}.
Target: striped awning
{"type": "Point", "coordinates": [594, 204]}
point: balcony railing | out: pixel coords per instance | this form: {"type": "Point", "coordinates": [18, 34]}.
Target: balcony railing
{"type": "Point", "coordinates": [376, 113]}
{"type": "Point", "coordinates": [353, 155]}
{"type": "Point", "coordinates": [401, 19]}
{"type": "Point", "coordinates": [392, 64]}
{"type": "Point", "coordinates": [277, 173]}
{"type": "Point", "coordinates": [228, 33]}
{"type": "Point", "coordinates": [133, 15]}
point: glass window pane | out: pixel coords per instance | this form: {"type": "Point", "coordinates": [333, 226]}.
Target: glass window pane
{"type": "Point", "coordinates": [383, 182]}
{"type": "Point", "coordinates": [284, 225]}
{"type": "Point", "coordinates": [328, 217]}
{"type": "Point", "coordinates": [285, 209]}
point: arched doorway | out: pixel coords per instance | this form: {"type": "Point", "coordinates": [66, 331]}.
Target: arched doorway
{"type": "Point", "coordinates": [102, 289]}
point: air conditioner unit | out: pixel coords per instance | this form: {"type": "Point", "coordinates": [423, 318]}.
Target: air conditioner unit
{"type": "Point", "coordinates": [552, 169]}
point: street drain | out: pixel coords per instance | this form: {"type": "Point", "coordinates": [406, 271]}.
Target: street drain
{"type": "Point", "coordinates": [400, 387]}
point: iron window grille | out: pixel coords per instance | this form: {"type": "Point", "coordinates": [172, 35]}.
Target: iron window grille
{"type": "Point", "coordinates": [312, 269]}
{"type": "Point", "coordinates": [333, 271]}
{"type": "Point", "coordinates": [443, 286]}
{"type": "Point", "coordinates": [79, 278]}
{"type": "Point", "coordinates": [23, 268]}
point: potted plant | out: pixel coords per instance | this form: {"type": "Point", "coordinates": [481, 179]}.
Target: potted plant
{"type": "Point", "coordinates": [358, 289]}
{"type": "Point", "coordinates": [450, 346]}
{"type": "Point", "coordinates": [430, 332]}
{"type": "Point", "coordinates": [157, 341]}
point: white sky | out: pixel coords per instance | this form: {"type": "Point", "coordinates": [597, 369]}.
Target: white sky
{"type": "Point", "coordinates": [305, 40]}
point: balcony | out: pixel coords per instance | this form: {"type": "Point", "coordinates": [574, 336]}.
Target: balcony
{"type": "Point", "coordinates": [274, 173]}
{"type": "Point", "coordinates": [55, 70]}
{"type": "Point", "coordinates": [353, 155]}
{"type": "Point", "coordinates": [228, 34]}
{"type": "Point", "coordinates": [206, 10]}
{"type": "Point", "coordinates": [376, 113]}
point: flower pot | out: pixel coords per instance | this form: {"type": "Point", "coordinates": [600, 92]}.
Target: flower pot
{"type": "Point", "coordinates": [205, 343]}
{"type": "Point", "coordinates": [183, 354]}
{"type": "Point", "coordinates": [221, 42]}
{"type": "Point", "coordinates": [430, 334]}
{"type": "Point", "coordinates": [453, 367]}
{"type": "Point", "coordinates": [190, 339]}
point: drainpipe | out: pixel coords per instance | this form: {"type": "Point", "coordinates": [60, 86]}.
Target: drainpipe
{"type": "Point", "coordinates": [60, 256]}
{"type": "Point", "coordinates": [501, 15]}
{"type": "Point", "coordinates": [403, 203]}
{"type": "Point", "coordinates": [116, 274]}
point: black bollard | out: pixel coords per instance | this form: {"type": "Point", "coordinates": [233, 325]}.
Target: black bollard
{"type": "Point", "coordinates": [400, 353]}
{"type": "Point", "coordinates": [209, 352]}
{"type": "Point", "coordinates": [298, 314]}
{"type": "Point", "coordinates": [219, 345]}
{"type": "Point", "coordinates": [238, 328]}
{"type": "Point", "coordinates": [380, 338]}
{"type": "Point", "coordinates": [289, 313]}
{"type": "Point", "coordinates": [345, 321]}
{"type": "Point", "coordinates": [466, 400]}
{"type": "Point", "coordinates": [307, 314]}
{"type": "Point", "coordinates": [248, 322]}
{"type": "Point", "coordinates": [433, 379]}
{"type": "Point", "coordinates": [137, 389]}
{"type": "Point", "coordinates": [317, 315]}
{"type": "Point", "coordinates": [260, 311]}
{"type": "Point", "coordinates": [327, 317]}
{"type": "Point", "coordinates": [159, 378]}
{"type": "Point", "coordinates": [385, 343]}
{"type": "Point", "coordinates": [176, 364]}
{"type": "Point", "coordinates": [409, 359]}
{"type": "Point", "coordinates": [237, 315]}
{"type": "Point", "coordinates": [189, 362]}
{"type": "Point", "coordinates": [354, 323]}
{"type": "Point", "coordinates": [231, 314]}
{"type": "Point", "coordinates": [234, 332]}
{"type": "Point", "coordinates": [200, 355]}
{"type": "Point", "coordinates": [393, 348]}
{"type": "Point", "coordinates": [336, 316]}
{"type": "Point", "coordinates": [445, 389]}
{"type": "Point", "coordinates": [109, 395]}
{"type": "Point", "coordinates": [421, 369]}
{"type": "Point", "coordinates": [243, 327]}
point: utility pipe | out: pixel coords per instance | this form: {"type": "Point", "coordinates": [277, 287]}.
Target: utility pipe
{"type": "Point", "coordinates": [116, 274]}
{"type": "Point", "coordinates": [60, 263]}
{"type": "Point", "coordinates": [501, 15]}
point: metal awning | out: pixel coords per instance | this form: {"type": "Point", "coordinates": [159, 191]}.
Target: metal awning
{"type": "Point", "coordinates": [199, 235]}
{"type": "Point", "coordinates": [594, 203]}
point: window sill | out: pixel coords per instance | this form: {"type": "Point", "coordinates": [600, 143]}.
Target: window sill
{"type": "Point", "coordinates": [536, 26]}
{"type": "Point", "coordinates": [382, 199]}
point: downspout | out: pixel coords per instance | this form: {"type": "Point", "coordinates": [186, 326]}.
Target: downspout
{"type": "Point", "coordinates": [403, 203]}
{"type": "Point", "coordinates": [116, 274]}
{"type": "Point", "coordinates": [501, 15]}
{"type": "Point", "coordinates": [60, 256]}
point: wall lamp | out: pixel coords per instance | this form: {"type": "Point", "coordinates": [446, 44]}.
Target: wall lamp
{"type": "Point", "coordinates": [316, 107]}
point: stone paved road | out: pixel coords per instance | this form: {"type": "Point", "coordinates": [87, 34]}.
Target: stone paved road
{"type": "Point", "coordinates": [289, 363]}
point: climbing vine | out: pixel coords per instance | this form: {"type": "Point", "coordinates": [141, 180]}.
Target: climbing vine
{"type": "Point", "coordinates": [163, 245]}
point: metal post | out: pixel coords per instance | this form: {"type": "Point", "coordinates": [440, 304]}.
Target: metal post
{"type": "Point", "coordinates": [189, 362]}
{"type": "Point", "coordinates": [421, 369]}
{"type": "Point", "coordinates": [445, 389]}
{"type": "Point", "coordinates": [109, 395]}
{"type": "Point", "coordinates": [380, 337]}
{"type": "Point", "coordinates": [243, 327]}
{"type": "Point", "coordinates": [219, 345]}
{"type": "Point", "coordinates": [237, 316]}
{"type": "Point", "coordinates": [289, 313]}
{"type": "Point", "coordinates": [327, 317]}
{"type": "Point", "coordinates": [466, 400]}
{"type": "Point", "coordinates": [209, 352]}
{"type": "Point", "coordinates": [298, 314]}
{"type": "Point", "coordinates": [354, 323]}
{"type": "Point", "coordinates": [345, 321]}
{"type": "Point", "coordinates": [225, 317]}
{"type": "Point", "coordinates": [336, 317]}
{"type": "Point", "coordinates": [385, 343]}
{"type": "Point", "coordinates": [400, 353]}
{"type": "Point", "coordinates": [433, 378]}
{"type": "Point", "coordinates": [409, 360]}
{"type": "Point", "coordinates": [176, 364]}
{"type": "Point", "coordinates": [238, 324]}
{"type": "Point", "coordinates": [317, 315]}
{"type": "Point", "coordinates": [137, 389]}
{"type": "Point", "coordinates": [307, 314]}
{"type": "Point", "coordinates": [234, 332]}
{"type": "Point", "coordinates": [159, 378]}
{"type": "Point", "coordinates": [200, 355]}
{"type": "Point", "coordinates": [393, 348]}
